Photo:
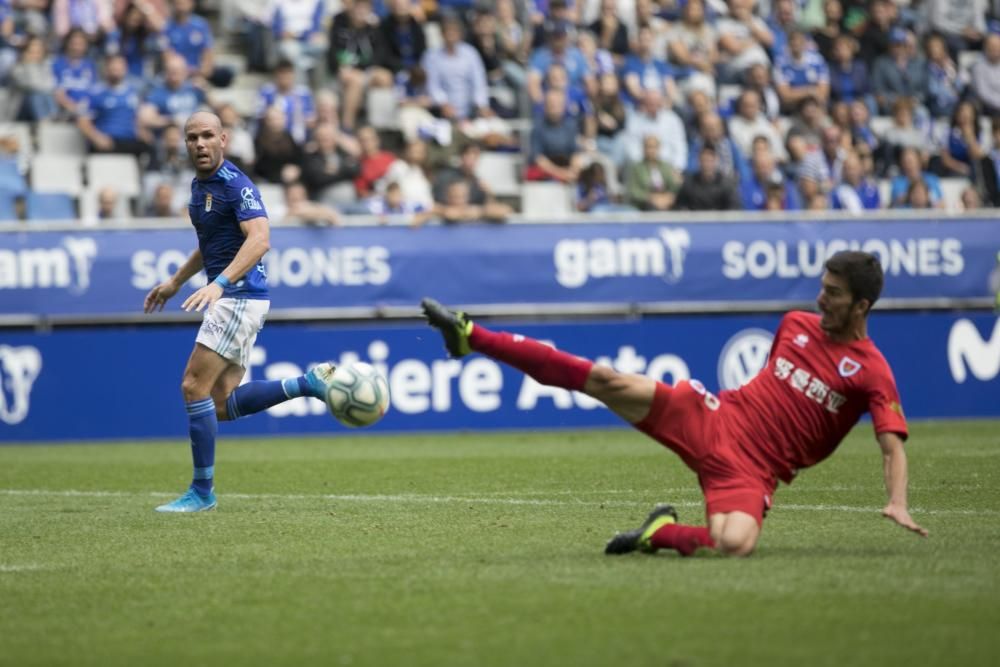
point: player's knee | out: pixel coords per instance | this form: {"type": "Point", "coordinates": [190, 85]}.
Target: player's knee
{"type": "Point", "coordinates": [192, 387]}
{"type": "Point", "coordinates": [736, 543]}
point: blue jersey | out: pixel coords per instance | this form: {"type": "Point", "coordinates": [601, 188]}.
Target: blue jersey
{"type": "Point", "coordinates": [177, 104]}
{"type": "Point", "coordinates": [809, 70]}
{"type": "Point", "coordinates": [190, 39]}
{"type": "Point", "coordinates": [114, 109]}
{"type": "Point", "coordinates": [74, 77]}
{"type": "Point", "coordinates": [218, 205]}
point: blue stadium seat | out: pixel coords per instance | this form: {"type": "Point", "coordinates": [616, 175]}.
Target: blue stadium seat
{"type": "Point", "coordinates": [8, 206]}
{"type": "Point", "coordinates": [11, 179]}
{"type": "Point", "coordinates": [49, 206]}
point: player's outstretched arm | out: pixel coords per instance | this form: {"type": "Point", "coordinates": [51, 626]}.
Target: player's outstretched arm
{"type": "Point", "coordinates": [158, 296]}
{"type": "Point", "coordinates": [896, 480]}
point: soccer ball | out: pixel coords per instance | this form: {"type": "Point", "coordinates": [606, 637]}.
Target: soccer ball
{"type": "Point", "coordinates": [357, 395]}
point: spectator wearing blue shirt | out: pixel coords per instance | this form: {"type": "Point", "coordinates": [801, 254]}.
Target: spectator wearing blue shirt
{"type": "Point", "coordinates": [578, 105]}
{"type": "Point", "coordinates": [849, 79]}
{"type": "Point", "coordinates": [765, 177]}
{"type": "Point", "coordinates": [559, 49]}
{"type": "Point", "coordinates": [136, 38]}
{"type": "Point", "coordinates": [173, 100]}
{"type": "Point", "coordinates": [782, 25]}
{"type": "Point", "coordinates": [456, 76]}
{"type": "Point", "coordinates": [76, 74]}
{"type": "Point", "coordinates": [554, 151]}
{"type": "Point", "coordinates": [801, 73]}
{"type": "Point", "coordinates": [295, 101]}
{"type": "Point", "coordinates": [900, 73]}
{"type": "Point", "coordinates": [109, 117]}
{"type": "Point", "coordinates": [943, 85]}
{"type": "Point", "coordinates": [856, 193]}
{"type": "Point", "coordinates": [190, 35]}
{"type": "Point", "coordinates": [712, 132]}
{"type": "Point", "coordinates": [911, 171]}
{"type": "Point", "coordinates": [643, 71]}
{"type": "Point", "coordinates": [297, 27]}
{"type": "Point", "coordinates": [963, 148]}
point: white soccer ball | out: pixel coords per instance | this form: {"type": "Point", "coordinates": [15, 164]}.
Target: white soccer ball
{"type": "Point", "coordinates": [357, 395]}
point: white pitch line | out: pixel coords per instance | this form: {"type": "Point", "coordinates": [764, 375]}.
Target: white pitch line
{"type": "Point", "coordinates": [19, 568]}
{"type": "Point", "coordinates": [475, 500]}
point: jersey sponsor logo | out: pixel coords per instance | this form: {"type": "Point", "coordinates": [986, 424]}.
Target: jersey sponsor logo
{"type": "Point", "coordinates": [743, 356]}
{"type": "Point", "coordinates": [968, 351]}
{"type": "Point", "coordinates": [848, 367]}
{"type": "Point", "coordinates": [19, 367]}
{"type": "Point", "coordinates": [208, 202]}
{"type": "Point", "coordinates": [250, 202]}
{"type": "Point", "coordinates": [68, 266]}
{"type": "Point", "coordinates": [801, 340]}
{"type": "Point", "coordinates": [808, 385]}
{"type": "Point", "coordinates": [578, 261]}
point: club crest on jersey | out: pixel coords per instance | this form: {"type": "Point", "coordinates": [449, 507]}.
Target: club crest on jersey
{"type": "Point", "coordinates": [208, 202]}
{"type": "Point", "coordinates": [848, 367]}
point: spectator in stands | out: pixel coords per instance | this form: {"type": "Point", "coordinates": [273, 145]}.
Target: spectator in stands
{"type": "Point", "coordinates": [797, 149]}
{"type": "Point", "coordinates": [391, 207]}
{"type": "Point", "coordinates": [692, 42]}
{"type": "Point", "coordinates": [353, 53]}
{"type": "Point", "coordinates": [109, 117]}
{"type": "Point", "coordinates": [809, 121]}
{"type": "Point", "coordinates": [985, 74]}
{"type": "Point", "coordinates": [707, 189]}
{"type": "Point", "coordinates": [554, 151]}
{"type": "Point", "coordinates": [93, 17]}
{"type": "Point", "coordinates": [782, 22]}
{"type": "Point", "coordinates": [562, 14]}
{"type": "Point", "coordinates": [239, 147]}
{"type": "Point", "coordinates": [300, 208]}
{"type": "Point", "coordinates": [599, 62]}
{"type": "Point", "coordinates": [374, 162]}
{"type": "Point", "coordinates": [560, 50]}
{"type": "Point", "coordinates": [743, 40]}
{"type": "Point", "coordinates": [278, 154]}
{"type": "Point", "coordinates": [918, 196]}
{"type": "Point", "coordinates": [758, 79]}
{"type": "Point", "coordinates": [611, 33]}
{"type": "Point", "coordinates": [609, 112]}
{"type": "Point", "coordinates": [961, 22]}
{"type": "Point", "coordinates": [989, 169]}
{"type": "Point", "coordinates": [964, 147]}
{"type": "Point", "coordinates": [412, 174]}
{"type": "Point", "coordinates": [824, 166]}
{"type": "Point", "coordinates": [294, 100]}
{"type": "Point", "coordinates": [900, 73]}
{"type": "Point", "coordinates": [855, 192]}
{"type": "Point", "coordinates": [826, 35]}
{"type": "Point", "coordinates": [190, 35]}
{"type": "Point", "coordinates": [647, 14]}
{"type": "Point", "coordinates": [456, 206]}
{"type": "Point", "coordinates": [172, 101]}
{"type": "Point", "coordinates": [712, 132]}
{"type": "Point", "coordinates": [860, 125]}
{"type": "Point", "coordinates": [328, 169]}
{"type": "Point", "coordinates": [749, 123]}
{"type": "Point", "coordinates": [651, 117]}
{"type": "Point", "coordinates": [943, 84]}
{"type": "Point", "coordinates": [593, 194]}
{"type": "Point", "coordinates": [910, 172]}
{"type": "Point", "coordinates": [297, 28]}
{"type": "Point", "coordinates": [136, 37]}
{"type": "Point", "coordinates": [578, 106]}
{"type": "Point", "coordinates": [764, 178]}
{"type": "Point", "coordinates": [478, 192]}
{"type": "Point", "coordinates": [169, 158]}
{"type": "Point", "coordinates": [800, 73]}
{"type": "Point", "coordinates": [456, 77]}
{"type": "Point", "coordinates": [402, 42]}
{"type": "Point", "coordinates": [75, 72]}
{"type": "Point", "coordinates": [970, 199]}
{"type": "Point", "coordinates": [8, 39]}
{"type": "Point", "coordinates": [875, 39]}
{"type": "Point", "coordinates": [904, 132]}
{"type": "Point", "coordinates": [644, 71]}
{"type": "Point", "coordinates": [161, 205]}
{"type": "Point", "coordinates": [651, 184]}
{"type": "Point", "coordinates": [32, 80]}
{"type": "Point", "coordinates": [849, 79]}
{"type": "Point", "coordinates": [515, 43]}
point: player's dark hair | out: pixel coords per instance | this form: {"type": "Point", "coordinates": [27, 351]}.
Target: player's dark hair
{"type": "Point", "coordinates": [862, 271]}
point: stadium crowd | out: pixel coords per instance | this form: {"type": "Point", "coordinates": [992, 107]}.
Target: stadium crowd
{"type": "Point", "coordinates": [416, 110]}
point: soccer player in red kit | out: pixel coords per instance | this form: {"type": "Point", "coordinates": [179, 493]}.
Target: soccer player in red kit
{"type": "Point", "coordinates": [823, 373]}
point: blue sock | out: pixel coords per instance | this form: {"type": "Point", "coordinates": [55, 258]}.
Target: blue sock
{"type": "Point", "coordinates": [202, 425]}
{"type": "Point", "coordinates": [253, 397]}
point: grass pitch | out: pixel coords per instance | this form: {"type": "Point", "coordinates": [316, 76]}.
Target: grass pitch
{"type": "Point", "coordinates": [487, 550]}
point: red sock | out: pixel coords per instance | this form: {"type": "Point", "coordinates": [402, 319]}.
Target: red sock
{"type": "Point", "coordinates": [685, 539]}
{"type": "Point", "coordinates": [545, 364]}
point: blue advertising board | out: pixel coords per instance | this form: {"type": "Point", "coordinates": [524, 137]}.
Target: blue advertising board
{"type": "Point", "coordinates": [108, 272]}
{"type": "Point", "coordinates": [124, 382]}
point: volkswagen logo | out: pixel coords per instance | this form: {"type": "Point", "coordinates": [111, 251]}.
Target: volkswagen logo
{"type": "Point", "coordinates": [743, 356]}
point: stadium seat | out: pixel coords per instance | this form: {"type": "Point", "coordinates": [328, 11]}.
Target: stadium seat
{"type": "Point", "coordinates": [25, 143]}
{"type": "Point", "coordinates": [499, 171]}
{"type": "Point", "coordinates": [271, 194]}
{"type": "Point", "coordinates": [951, 192]}
{"type": "Point", "coordinates": [11, 179]}
{"type": "Point", "coordinates": [381, 106]}
{"type": "Point", "coordinates": [242, 97]}
{"type": "Point", "coordinates": [546, 201]}
{"type": "Point", "coordinates": [885, 193]}
{"type": "Point", "coordinates": [61, 139]}
{"type": "Point", "coordinates": [8, 206]}
{"type": "Point", "coordinates": [57, 173]}
{"type": "Point", "coordinates": [49, 206]}
{"type": "Point", "coordinates": [119, 171]}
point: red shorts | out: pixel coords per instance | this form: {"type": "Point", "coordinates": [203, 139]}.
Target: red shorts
{"type": "Point", "coordinates": [692, 423]}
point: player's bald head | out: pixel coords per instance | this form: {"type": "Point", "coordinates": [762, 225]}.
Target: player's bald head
{"type": "Point", "coordinates": [203, 118]}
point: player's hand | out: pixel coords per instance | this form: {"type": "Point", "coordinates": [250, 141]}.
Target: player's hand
{"type": "Point", "coordinates": [157, 297]}
{"type": "Point", "coordinates": [902, 516]}
{"type": "Point", "coordinates": [205, 297]}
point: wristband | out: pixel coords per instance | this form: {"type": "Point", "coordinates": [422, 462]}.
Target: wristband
{"type": "Point", "coordinates": [222, 281]}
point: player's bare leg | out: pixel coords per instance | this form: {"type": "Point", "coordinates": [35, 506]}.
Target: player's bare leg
{"type": "Point", "coordinates": [224, 387]}
{"type": "Point", "coordinates": [734, 533]}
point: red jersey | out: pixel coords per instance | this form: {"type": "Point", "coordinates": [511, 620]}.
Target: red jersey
{"type": "Point", "coordinates": [796, 411]}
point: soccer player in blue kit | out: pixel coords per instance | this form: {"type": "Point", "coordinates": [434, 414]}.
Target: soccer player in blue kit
{"type": "Point", "coordinates": [233, 236]}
